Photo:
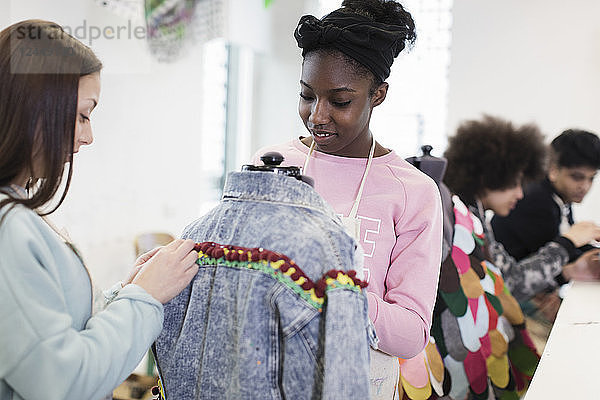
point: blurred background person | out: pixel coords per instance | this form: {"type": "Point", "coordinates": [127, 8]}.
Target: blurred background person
{"type": "Point", "coordinates": [478, 327]}
{"type": "Point", "coordinates": [544, 215]}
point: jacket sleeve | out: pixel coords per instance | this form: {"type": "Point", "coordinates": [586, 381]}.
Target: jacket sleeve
{"type": "Point", "coordinates": [533, 274]}
{"type": "Point", "coordinates": [346, 346]}
{"type": "Point", "coordinates": [43, 357]}
{"type": "Point", "coordinates": [402, 318]}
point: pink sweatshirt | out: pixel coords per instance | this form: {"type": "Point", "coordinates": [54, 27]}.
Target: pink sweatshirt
{"type": "Point", "coordinates": [401, 234]}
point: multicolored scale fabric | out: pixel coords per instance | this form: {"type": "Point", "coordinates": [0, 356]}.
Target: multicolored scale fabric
{"type": "Point", "coordinates": [479, 343]}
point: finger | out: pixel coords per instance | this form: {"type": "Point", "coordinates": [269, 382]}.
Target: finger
{"type": "Point", "coordinates": [133, 273]}
{"type": "Point", "coordinates": [173, 245]}
{"type": "Point", "coordinates": [184, 248]}
{"type": "Point", "coordinates": [137, 270]}
{"type": "Point", "coordinates": [149, 254]}
{"type": "Point", "coordinates": [191, 273]}
{"type": "Point", "coordinates": [152, 252]}
{"type": "Point", "coordinates": [190, 259]}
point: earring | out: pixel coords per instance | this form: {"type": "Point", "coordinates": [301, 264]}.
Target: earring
{"type": "Point", "coordinates": [29, 186]}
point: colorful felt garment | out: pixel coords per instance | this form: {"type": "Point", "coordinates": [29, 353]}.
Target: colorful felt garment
{"type": "Point", "coordinates": [478, 330]}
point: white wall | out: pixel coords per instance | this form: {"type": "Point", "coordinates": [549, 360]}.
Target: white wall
{"type": "Point", "coordinates": [528, 61]}
{"type": "Point", "coordinates": [277, 69]}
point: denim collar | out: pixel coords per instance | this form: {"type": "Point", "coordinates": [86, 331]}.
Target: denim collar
{"type": "Point", "coordinates": [271, 187]}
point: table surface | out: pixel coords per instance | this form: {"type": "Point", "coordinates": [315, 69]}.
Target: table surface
{"type": "Point", "coordinates": [570, 365]}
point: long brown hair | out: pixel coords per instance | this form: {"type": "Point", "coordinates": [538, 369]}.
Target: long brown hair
{"type": "Point", "coordinates": [40, 68]}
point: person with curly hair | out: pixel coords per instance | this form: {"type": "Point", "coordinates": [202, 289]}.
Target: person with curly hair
{"type": "Point", "coordinates": [391, 208]}
{"type": "Point", "coordinates": [482, 348]}
{"type": "Point", "coordinates": [488, 161]}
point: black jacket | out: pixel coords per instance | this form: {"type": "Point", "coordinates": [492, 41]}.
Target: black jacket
{"type": "Point", "coordinates": [534, 222]}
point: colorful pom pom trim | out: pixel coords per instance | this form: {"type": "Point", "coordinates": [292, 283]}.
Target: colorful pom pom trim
{"type": "Point", "coordinates": [279, 267]}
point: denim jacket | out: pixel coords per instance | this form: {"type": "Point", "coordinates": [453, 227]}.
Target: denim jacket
{"type": "Point", "coordinates": [276, 310]}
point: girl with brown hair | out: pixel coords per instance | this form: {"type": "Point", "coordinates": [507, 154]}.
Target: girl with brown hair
{"type": "Point", "coordinates": [51, 346]}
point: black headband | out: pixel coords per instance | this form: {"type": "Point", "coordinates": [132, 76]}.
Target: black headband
{"type": "Point", "coordinates": [372, 44]}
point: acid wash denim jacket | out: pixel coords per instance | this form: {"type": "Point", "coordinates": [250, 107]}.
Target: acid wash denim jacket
{"type": "Point", "coordinates": [276, 310]}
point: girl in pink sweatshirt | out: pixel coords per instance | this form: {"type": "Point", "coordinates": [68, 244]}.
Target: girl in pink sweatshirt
{"type": "Point", "coordinates": [391, 208]}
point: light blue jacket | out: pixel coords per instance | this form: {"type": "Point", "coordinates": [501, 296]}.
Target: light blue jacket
{"type": "Point", "coordinates": [248, 326]}
{"type": "Point", "coordinates": [50, 345]}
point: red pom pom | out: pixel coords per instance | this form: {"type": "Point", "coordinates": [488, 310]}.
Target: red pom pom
{"type": "Point", "coordinates": [204, 246]}
{"type": "Point", "coordinates": [255, 255]}
{"type": "Point", "coordinates": [332, 273]}
{"type": "Point", "coordinates": [284, 267]}
{"type": "Point", "coordinates": [296, 275]}
{"type": "Point", "coordinates": [233, 255]}
{"type": "Point", "coordinates": [285, 258]}
{"type": "Point", "coordinates": [351, 273]}
{"type": "Point", "coordinates": [307, 285]}
{"type": "Point", "coordinates": [320, 288]}
{"type": "Point", "coordinates": [218, 252]}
